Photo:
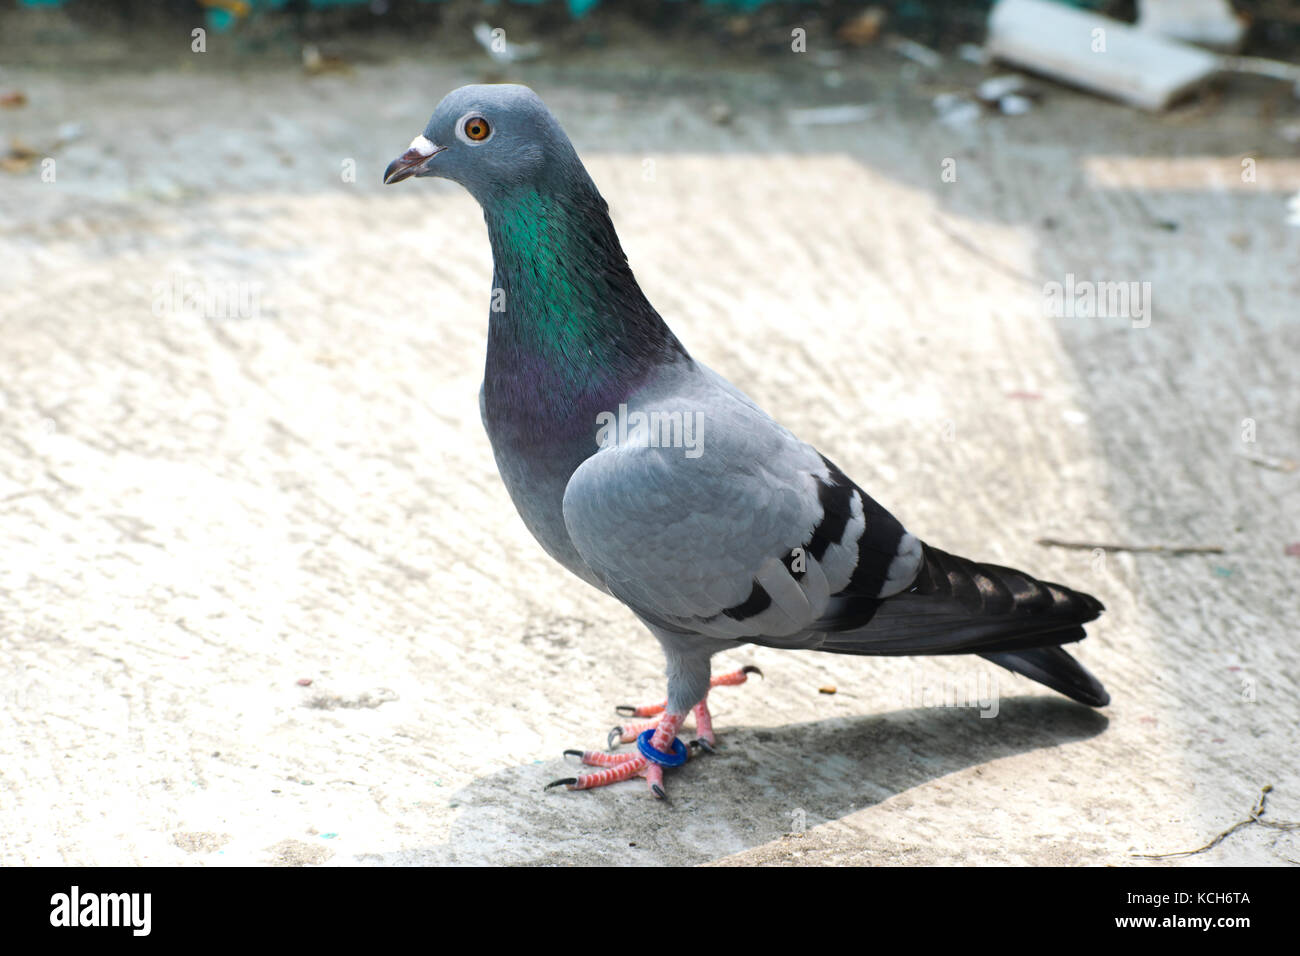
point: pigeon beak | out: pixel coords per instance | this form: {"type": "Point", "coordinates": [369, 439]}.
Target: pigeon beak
{"type": "Point", "coordinates": [412, 162]}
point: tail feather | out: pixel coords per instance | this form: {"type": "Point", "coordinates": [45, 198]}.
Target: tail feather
{"type": "Point", "coordinates": [957, 606]}
{"type": "Point", "coordinates": [988, 589]}
{"type": "Point", "coordinates": [1054, 667]}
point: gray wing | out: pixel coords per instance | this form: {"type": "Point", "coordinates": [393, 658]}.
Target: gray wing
{"type": "Point", "coordinates": [751, 535]}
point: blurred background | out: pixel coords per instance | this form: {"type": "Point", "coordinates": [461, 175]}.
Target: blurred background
{"type": "Point", "coordinates": [1028, 271]}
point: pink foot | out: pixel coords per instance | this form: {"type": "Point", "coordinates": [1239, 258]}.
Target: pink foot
{"type": "Point", "coordinates": [628, 731]}
{"type": "Point", "coordinates": [626, 765]}
{"type": "Point", "coordinates": [623, 766]}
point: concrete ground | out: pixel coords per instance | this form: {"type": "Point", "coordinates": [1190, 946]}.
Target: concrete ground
{"type": "Point", "coordinates": [201, 513]}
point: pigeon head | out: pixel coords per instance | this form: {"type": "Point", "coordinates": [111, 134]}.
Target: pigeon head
{"type": "Point", "coordinates": [492, 139]}
{"type": "Point", "coordinates": [569, 325]}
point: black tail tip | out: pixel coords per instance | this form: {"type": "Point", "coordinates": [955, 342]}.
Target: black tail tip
{"type": "Point", "coordinates": [1053, 667]}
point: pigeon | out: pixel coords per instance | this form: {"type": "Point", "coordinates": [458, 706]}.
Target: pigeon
{"type": "Point", "coordinates": [655, 480]}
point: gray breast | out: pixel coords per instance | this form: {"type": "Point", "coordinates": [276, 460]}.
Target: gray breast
{"type": "Point", "coordinates": [536, 472]}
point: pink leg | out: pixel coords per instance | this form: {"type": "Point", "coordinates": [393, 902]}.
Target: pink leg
{"type": "Point", "coordinates": [629, 730]}
{"type": "Point", "coordinates": [666, 732]}
{"type": "Point", "coordinates": [654, 777]}
{"type": "Point", "coordinates": [733, 678]}
{"type": "Point", "coordinates": [621, 770]}
{"type": "Point", "coordinates": [600, 758]}
{"type": "Point", "coordinates": [730, 679]}
{"type": "Point", "coordinates": [623, 766]}
{"type": "Point", "coordinates": [703, 719]}
{"type": "Point", "coordinates": [647, 710]}
{"type": "Point", "coordinates": [704, 724]}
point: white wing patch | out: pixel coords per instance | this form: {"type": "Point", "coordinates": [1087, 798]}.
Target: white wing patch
{"type": "Point", "coordinates": [903, 569]}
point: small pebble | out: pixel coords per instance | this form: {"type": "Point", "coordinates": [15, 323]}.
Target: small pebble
{"type": "Point", "coordinates": [1015, 105]}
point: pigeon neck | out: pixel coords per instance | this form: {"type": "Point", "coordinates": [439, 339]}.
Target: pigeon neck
{"type": "Point", "coordinates": [569, 326]}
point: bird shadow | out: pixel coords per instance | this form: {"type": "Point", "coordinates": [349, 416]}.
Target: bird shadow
{"type": "Point", "coordinates": [763, 783]}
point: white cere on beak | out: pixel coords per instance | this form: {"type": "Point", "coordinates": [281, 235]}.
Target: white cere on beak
{"type": "Point", "coordinates": [422, 146]}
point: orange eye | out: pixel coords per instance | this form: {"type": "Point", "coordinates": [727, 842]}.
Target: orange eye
{"type": "Point", "coordinates": [477, 129]}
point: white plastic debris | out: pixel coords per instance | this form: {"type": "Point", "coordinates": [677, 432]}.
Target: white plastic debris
{"type": "Point", "coordinates": [1097, 53]}
{"type": "Point", "coordinates": [832, 115]}
{"type": "Point", "coordinates": [1139, 67]}
{"type": "Point", "coordinates": [493, 40]}
{"type": "Point", "coordinates": [955, 109]}
{"type": "Point", "coordinates": [1209, 23]}
{"type": "Point", "coordinates": [1015, 105]}
{"type": "Point", "coordinates": [69, 132]}
{"type": "Point", "coordinates": [916, 52]}
{"type": "Point", "coordinates": [1010, 93]}
{"type": "Point", "coordinates": [996, 87]}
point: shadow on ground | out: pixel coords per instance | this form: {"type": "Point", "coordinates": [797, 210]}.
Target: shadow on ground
{"type": "Point", "coordinates": [763, 784]}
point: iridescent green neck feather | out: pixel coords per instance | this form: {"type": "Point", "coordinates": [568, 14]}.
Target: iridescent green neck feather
{"type": "Point", "coordinates": [571, 331]}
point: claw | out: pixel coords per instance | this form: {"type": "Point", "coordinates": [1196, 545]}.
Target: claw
{"type": "Point", "coordinates": [647, 710]}
{"type": "Point", "coordinates": [659, 726]}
